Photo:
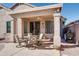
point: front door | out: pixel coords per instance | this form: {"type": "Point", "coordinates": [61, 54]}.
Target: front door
{"type": "Point", "coordinates": [35, 27]}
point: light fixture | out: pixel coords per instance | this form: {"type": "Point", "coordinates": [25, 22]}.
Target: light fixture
{"type": "Point", "coordinates": [38, 18]}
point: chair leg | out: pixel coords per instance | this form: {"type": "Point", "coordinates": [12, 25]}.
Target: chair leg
{"type": "Point", "coordinates": [25, 44]}
{"type": "Point", "coordinates": [19, 46]}
{"type": "Point", "coordinates": [19, 43]}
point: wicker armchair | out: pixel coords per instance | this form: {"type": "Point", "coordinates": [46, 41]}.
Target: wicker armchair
{"type": "Point", "coordinates": [39, 40]}
{"type": "Point", "coordinates": [20, 41]}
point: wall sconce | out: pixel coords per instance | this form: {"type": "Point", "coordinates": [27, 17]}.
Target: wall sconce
{"type": "Point", "coordinates": [38, 18]}
{"type": "Point", "coordinates": [57, 11]}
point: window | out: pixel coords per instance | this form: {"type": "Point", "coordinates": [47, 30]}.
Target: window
{"type": "Point", "coordinates": [49, 27]}
{"type": "Point", "coordinates": [8, 26]}
{"type": "Point", "coordinates": [35, 27]}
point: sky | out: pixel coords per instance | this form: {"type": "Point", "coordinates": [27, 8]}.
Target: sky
{"type": "Point", "coordinates": [69, 11]}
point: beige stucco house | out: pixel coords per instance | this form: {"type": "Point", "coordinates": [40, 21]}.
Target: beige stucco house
{"type": "Point", "coordinates": [24, 18]}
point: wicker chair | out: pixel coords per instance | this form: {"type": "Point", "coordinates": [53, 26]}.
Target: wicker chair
{"type": "Point", "coordinates": [31, 40]}
{"type": "Point", "coordinates": [39, 40]}
{"type": "Point", "coordinates": [20, 41]}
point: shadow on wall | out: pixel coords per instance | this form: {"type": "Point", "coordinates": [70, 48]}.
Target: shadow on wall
{"type": "Point", "coordinates": [69, 46]}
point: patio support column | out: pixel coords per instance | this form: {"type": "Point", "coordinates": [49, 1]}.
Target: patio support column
{"type": "Point", "coordinates": [19, 28]}
{"type": "Point", "coordinates": [42, 26]}
{"type": "Point", "coordinates": [12, 31]}
{"type": "Point", "coordinates": [28, 26]}
{"type": "Point", "coordinates": [57, 38]}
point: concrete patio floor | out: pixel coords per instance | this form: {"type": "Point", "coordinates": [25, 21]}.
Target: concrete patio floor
{"type": "Point", "coordinates": [10, 49]}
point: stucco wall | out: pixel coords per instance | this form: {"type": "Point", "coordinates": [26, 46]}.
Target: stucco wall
{"type": "Point", "coordinates": [77, 33]}
{"type": "Point", "coordinates": [21, 7]}
{"type": "Point", "coordinates": [62, 28]}
{"type": "Point", "coordinates": [34, 14]}
{"type": "Point", "coordinates": [4, 17]}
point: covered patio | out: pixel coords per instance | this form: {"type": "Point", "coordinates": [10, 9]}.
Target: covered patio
{"type": "Point", "coordinates": [38, 20]}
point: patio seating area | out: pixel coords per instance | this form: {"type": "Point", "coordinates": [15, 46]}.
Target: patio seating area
{"type": "Point", "coordinates": [31, 41]}
{"type": "Point", "coordinates": [28, 45]}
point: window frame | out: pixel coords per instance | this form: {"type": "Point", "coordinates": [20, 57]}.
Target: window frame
{"type": "Point", "coordinates": [47, 30]}
{"type": "Point", "coordinates": [8, 27]}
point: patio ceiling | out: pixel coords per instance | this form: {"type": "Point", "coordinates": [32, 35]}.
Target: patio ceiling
{"type": "Point", "coordinates": [40, 17]}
